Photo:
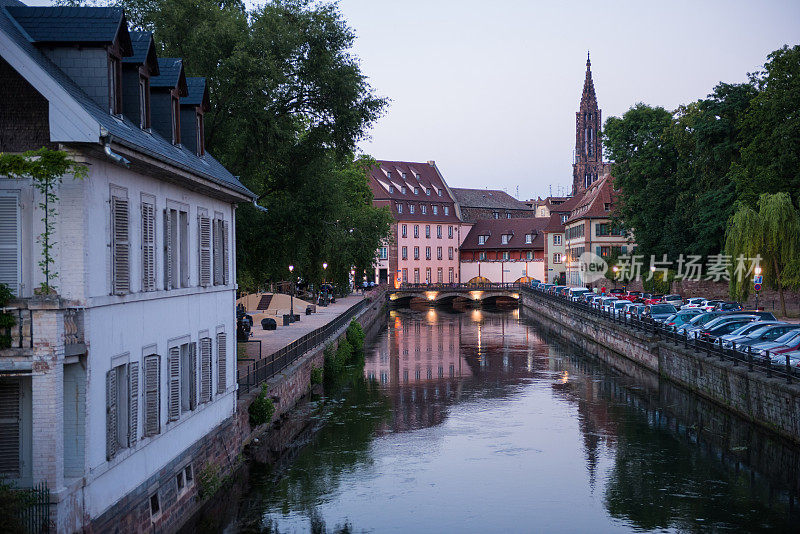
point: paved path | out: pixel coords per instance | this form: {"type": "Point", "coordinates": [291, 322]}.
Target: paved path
{"type": "Point", "coordinates": [274, 340]}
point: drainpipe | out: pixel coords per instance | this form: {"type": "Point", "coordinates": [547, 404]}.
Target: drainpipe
{"type": "Point", "coordinates": [106, 139]}
{"type": "Point", "coordinates": [259, 208]}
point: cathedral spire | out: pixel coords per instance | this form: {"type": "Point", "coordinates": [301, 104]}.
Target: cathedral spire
{"type": "Point", "coordinates": [588, 163]}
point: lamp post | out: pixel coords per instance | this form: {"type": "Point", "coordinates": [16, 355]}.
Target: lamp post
{"type": "Point", "coordinates": [616, 270]}
{"type": "Point", "coordinates": [291, 294]}
{"type": "Point", "coordinates": [324, 277]}
{"type": "Point", "coordinates": [757, 272]}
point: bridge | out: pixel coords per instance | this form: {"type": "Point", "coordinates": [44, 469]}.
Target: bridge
{"type": "Point", "coordinates": [447, 293]}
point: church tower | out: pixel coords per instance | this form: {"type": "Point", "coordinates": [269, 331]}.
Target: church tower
{"type": "Point", "coordinates": [588, 164]}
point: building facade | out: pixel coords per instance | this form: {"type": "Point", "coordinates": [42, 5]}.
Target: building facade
{"type": "Point", "coordinates": [504, 250]}
{"type": "Point", "coordinates": [588, 166]}
{"type": "Point", "coordinates": [476, 204]}
{"type": "Point", "coordinates": [427, 229]}
{"type": "Point", "coordinates": [118, 386]}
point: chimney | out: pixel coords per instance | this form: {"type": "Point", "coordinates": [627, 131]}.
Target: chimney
{"type": "Point", "coordinates": [431, 163]}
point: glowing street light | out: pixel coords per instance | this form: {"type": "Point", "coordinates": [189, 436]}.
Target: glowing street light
{"type": "Point", "coordinates": [291, 295]}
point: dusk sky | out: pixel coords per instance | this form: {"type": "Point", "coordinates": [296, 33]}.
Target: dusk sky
{"type": "Point", "coordinates": [489, 90]}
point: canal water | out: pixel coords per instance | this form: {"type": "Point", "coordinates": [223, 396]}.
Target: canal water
{"type": "Point", "coordinates": [482, 421]}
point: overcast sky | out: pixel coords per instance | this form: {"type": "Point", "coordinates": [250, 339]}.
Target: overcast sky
{"type": "Point", "coordinates": [489, 90]}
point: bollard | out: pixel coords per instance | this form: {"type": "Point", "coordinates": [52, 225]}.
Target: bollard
{"type": "Point", "coordinates": [749, 358]}
{"type": "Point", "coordinates": [788, 370]}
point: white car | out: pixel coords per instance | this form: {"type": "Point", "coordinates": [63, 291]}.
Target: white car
{"type": "Point", "coordinates": [709, 305]}
{"type": "Point", "coordinates": [694, 302]}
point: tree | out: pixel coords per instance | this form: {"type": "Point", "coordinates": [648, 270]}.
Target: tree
{"type": "Point", "coordinates": [773, 233]}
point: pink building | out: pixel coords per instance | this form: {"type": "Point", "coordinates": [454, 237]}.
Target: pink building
{"type": "Point", "coordinates": [427, 231]}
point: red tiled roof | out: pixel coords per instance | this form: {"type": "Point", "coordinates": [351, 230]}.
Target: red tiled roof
{"type": "Point", "coordinates": [388, 178]}
{"type": "Point", "coordinates": [592, 204]}
{"type": "Point", "coordinates": [554, 224]}
{"type": "Point", "coordinates": [517, 228]}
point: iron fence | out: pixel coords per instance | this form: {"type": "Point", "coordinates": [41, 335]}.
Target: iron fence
{"type": "Point", "coordinates": [262, 369]}
{"type": "Point", "coordinates": [710, 348]}
{"type": "Point", "coordinates": [35, 515]}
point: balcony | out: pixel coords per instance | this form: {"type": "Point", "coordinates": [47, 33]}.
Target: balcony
{"type": "Point", "coordinates": [39, 322]}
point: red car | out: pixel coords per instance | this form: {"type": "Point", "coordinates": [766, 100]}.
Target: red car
{"type": "Point", "coordinates": [654, 299]}
{"type": "Point", "coordinates": [632, 295]}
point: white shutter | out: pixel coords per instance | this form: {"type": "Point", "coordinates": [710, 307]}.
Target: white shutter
{"type": "Point", "coordinates": [193, 376]}
{"type": "Point", "coordinates": [152, 399]}
{"type": "Point", "coordinates": [222, 362]}
{"type": "Point", "coordinates": [225, 259]}
{"type": "Point", "coordinates": [205, 369]}
{"type": "Point", "coordinates": [217, 252]}
{"type": "Point", "coordinates": [10, 241]}
{"type": "Point", "coordinates": [120, 246]}
{"type": "Point", "coordinates": [168, 274]}
{"type": "Point", "coordinates": [205, 251]}
{"type": "Point", "coordinates": [133, 403]}
{"type": "Point", "coordinates": [10, 392]}
{"type": "Point", "coordinates": [148, 247]}
{"type": "Point", "coordinates": [112, 443]}
{"type": "Point", "coordinates": [174, 369]}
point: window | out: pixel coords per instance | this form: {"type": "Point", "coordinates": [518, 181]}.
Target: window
{"type": "Point", "coordinates": [438, 253]}
{"type": "Point", "coordinates": [416, 253]}
{"type": "Point", "coordinates": [607, 206]}
{"type": "Point", "coordinates": [416, 190]}
{"type": "Point", "coordinates": [424, 208]}
{"type": "Point", "coordinates": [404, 231]}
{"type": "Point", "coordinates": [148, 209]}
{"type": "Point", "coordinates": [447, 210]}
{"type": "Point", "coordinates": [428, 275]}
{"type": "Point", "coordinates": [388, 175]}
{"type": "Point", "coordinates": [556, 239]}
{"type": "Point", "coordinates": [10, 241]}
{"type": "Point", "coordinates": [120, 242]}
{"type": "Point", "coordinates": [152, 394]}
{"type": "Point", "coordinates": [481, 256]}
{"type": "Point", "coordinates": [428, 231]}
{"type": "Point", "coordinates": [391, 188]}
{"type": "Point", "coordinates": [428, 191]}
{"type": "Point", "coordinates": [528, 239]}
{"type": "Point", "coordinates": [399, 208]}
{"type": "Point", "coordinates": [114, 85]}
{"type": "Point", "coordinates": [221, 258]}
{"type": "Point", "coordinates": [188, 376]}
{"type": "Point", "coordinates": [405, 253]}
{"type": "Point", "coordinates": [176, 121]}
{"type": "Point", "coordinates": [436, 210]}
{"type": "Point", "coordinates": [508, 215]}
{"type": "Point", "coordinates": [450, 273]}
{"type": "Point", "coordinates": [144, 102]}
{"type": "Point", "coordinates": [176, 248]}
{"type": "Point", "coordinates": [383, 253]}
{"type": "Point", "coordinates": [438, 231]}
{"type": "Point", "coordinates": [206, 363]}
{"type": "Point", "coordinates": [564, 218]}
{"type": "Point", "coordinates": [204, 244]}
{"type": "Point", "coordinates": [482, 239]}
{"type": "Point", "coordinates": [155, 509]}
{"type": "Point", "coordinates": [411, 208]}
{"type": "Point", "coordinates": [529, 255]}
{"type": "Point", "coordinates": [449, 253]}
{"type": "Point", "coordinates": [450, 232]}
{"type": "Point", "coordinates": [556, 257]}
{"type": "Point", "coordinates": [405, 276]}
{"type": "Point", "coordinates": [440, 275]}
{"type": "Point", "coordinates": [495, 215]}
{"type": "Point", "coordinates": [200, 132]}
{"type": "Point", "coordinates": [427, 253]}
{"type": "Point", "coordinates": [541, 212]}
{"type": "Point", "coordinates": [416, 276]}
{"type": "Point", "coordinates": [222, 362]}
{"type": "Point", "coordinates": [122, 406]}
{"type": "Point", "coordinates": [504, 239]}
{"type": "Point", "coordinates": [505, 255]}
{"type": "Point", "coordinates": [416, 230]}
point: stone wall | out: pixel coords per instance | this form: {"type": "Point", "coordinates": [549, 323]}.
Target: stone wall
{"type": "Point", "coordinates": [769, 402]}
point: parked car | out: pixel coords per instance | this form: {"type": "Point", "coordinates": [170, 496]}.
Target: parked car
{"type": "Point", "coordinates": [742, 333]}
{"type": "Point", "coordinates": [723, 318]}
{"type": "Point", "coordinates": [634, 309]}
{"type": "Point", "coordinates": [768, 332]}
{"type": "Point", "coordinates": [728, 306]}
{"type": "Point", "coordinates": [694, 302]}
{"type": "Point", "coordinates": [675, 300]}
{"type": "Point", "coordinates": [632, 295]}
{"type": "Point", "coordinates": [780, 359]}
{"type": "Point", "coordinates": [699, 321]}
{"type": "Point", "coordinates": [618, 306]}
{"type": "Point", "coordinates": [709, 305]}
{"type": "Point", "coordinates": [659, 312]}
{"type": "Point", "coordinates": [654, 299]}
{"type": "Point", "coordinates": [712, 332]}
{"type": "Point", "coordinates": [788, 342]}
{"type": "Point", "coordinates": [681, 317]}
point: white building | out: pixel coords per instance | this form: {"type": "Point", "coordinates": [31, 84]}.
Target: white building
{"type": "Point", "coordinates": [123, 383]}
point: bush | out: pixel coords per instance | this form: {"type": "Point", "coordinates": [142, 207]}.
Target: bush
{"type": "Point", "coordinates": [332, 367]}
{"type": "Point", "coordinates": [355, 337]}
{"type": "Point", "coordinates": [316, 376]}
{"type": "Point", "coordinates": [343, 353]}
{"type": "Point", "coordinates": [7, 320]}
{"type": "Point", "coordinates": [13, 503]}
{"type": "Point", "coordinates": [261, 409]}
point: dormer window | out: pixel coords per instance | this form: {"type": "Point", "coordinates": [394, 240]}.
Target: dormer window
{"type": "Point", "coordinates": [428, 191]}
{"type": "Point", "coordinates": [403, 190]}
{"type": "Point", "coordinates": [391, 188]}
{"type": "Point", "coordinates": [528, 239]}
{"type": "Point", "coordinates": [436, 210]}
{"type": "Point", "coordinates": [424, 209]}
{"type": "Point", "coordinates": [144, 102]}
{"type": "Point", "coordinates": [482, 239]}
{"type": "Point", "coordinates": [504, 239]}
{"type": "Point", "coordinates": [114, 85]}
{"type": "Point", "coordinates": [608, 206]}
{"type": "Point", "coordinates": [411, 208]}
{"type": "Point", "coordinates": [495, 215]}
{"type": "Point", "coordinates": [404, 176]}
{"type": "Point", "coordinates": [446, 210]}
{"type": "Point", "coordinates": [201, 135]}
{"type": "Point", "coordinates": [416, 190]}
{"type": "Point", "coordinates": [176, 121]}
{"type": "Point", "coordinates": [440, 192]}
{"type": "Point", "coordinates": [399, 208]}
{"type": "Point", "coordinates": [389, 175]}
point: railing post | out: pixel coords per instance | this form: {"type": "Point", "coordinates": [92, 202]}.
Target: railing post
{"type": "Point", "coordinates": [721, 350]}
{"type": "Point", "coordinates": [733, 353]}
{"type": "Point", "coordinates": [749, 358]}
{"type": "Point", "coordinates": [788, 370]}
{"type": "Point", "coordinates": [769, 364]}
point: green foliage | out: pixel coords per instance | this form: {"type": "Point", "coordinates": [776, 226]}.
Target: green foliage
{"type": "Point", "coordinates": [45, 168]}
{"type": "Point", "coordinates": [773, 233]}
{"type": "Point", "coordinates": [355, 337]}
{"type": "Point", "coordinates": [7, 319]}
{"type": "Point", "coordinates": [345, 352]}
{"type": "Point", "coordinates": [316, 376]}
{"type": "Point", "coordinates": [208, 480]}
{"type": "Point", "coordinates": [13, 503]}
{"type": "Point", "coordinates": [261, 409]}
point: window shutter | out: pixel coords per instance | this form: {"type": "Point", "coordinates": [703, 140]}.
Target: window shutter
{"type": "Point", "coordinates": [148, 247]}
{"type": "Point", "coordinates": [222, 362]}
{"type": "Point", "coordinates": [205, 251]}
{"type": "Point", "coordinates": [168, 274]}
{"type": "Point", "coordinates": [217, 252]}
{"type": "Point", "coordinates": [120, 246]}
{"type": "Point", "coordinates": [112, 444]}
{"type": "Point", "coordinates": [9, 241]}
{"type": "Point", "coordinates": [205, 369]}
{"type": "Point", "coordinates": [193, 377]}
{"type": "Point", "coordinates": [152, 400]}
{"type": "Point", "coordinates": [225, 258]}
{"type": "Point", "coordinates": [174, 369]}
{"type": "Point", "coordinates": [133, 403]}
{"type": "Point", "coordinates": [9, 428]}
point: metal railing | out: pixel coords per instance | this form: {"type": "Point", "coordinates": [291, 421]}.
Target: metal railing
{"type": "Point", "coordinates": [263, 369]}
{"type": "Point", "coordinates": [35, 514]}
{"type": "Point", "coordinates": [460, 287]}
{"type": "Point", "coordinates": [711, 348]}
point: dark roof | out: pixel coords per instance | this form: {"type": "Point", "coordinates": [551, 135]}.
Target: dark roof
{"type": "Point", "coordinates": [517, 228]}
{"type": "Point", "coordinates": [170, 74]}
{"type": "Point", "coordinates": [73, 24]}
{"type": "Point", "coordinates": [144, 51]}
{"type": "Point", "coordinates": [554, 224]}
{"type": "Point", "coordinates": [122, 129]}
{"type": "Point", "coordinates": [423, 176]}
{"type": "Point", "coordinates": [592, 203]}
{"type": "Point", "coordinates": [488, 199]}
{"type": "Point", "coordinates": [197, 93]}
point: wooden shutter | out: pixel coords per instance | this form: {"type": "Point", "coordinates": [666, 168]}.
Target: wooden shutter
{"type": "Point", "coordinates": [133, 403]}
{"type": "Point", "coordinates": [225, 258]}
{"type": "Point", "coordinates": [222, 362]}
{"type": "Point", "coordinates": [148, 247]}
{"type": "Point", "coordinates": [174, 370]}
{"type": "Point", "coordinates": [217, 252]}
{"type": "Point", "coordinates": [152, 398]}
{"type": "Point", "coordinates": [205, 251]}
{"type": "Point", "coordinates": [10, 406]}
{"type": "Point", "coordinates": [112, 443]}
{"type": "Point", "coordinates": [205, 369]}
{"type": "Point", "coordinates": [168, 274]}
{"type": "Point", "coordinates": [120, 246]}
{"type": "Point", "coordinates": [9, 241]}
{"type": "Point", "coordinates": [193, 376]}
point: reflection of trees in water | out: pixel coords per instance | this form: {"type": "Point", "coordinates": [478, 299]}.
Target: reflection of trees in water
{"type": "Point", "coordinates": [340, 446]}
{"type": "Point", "coordinates": [672, 464]}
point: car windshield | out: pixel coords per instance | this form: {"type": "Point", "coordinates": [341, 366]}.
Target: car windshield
{"type": "Point", "coordinates": [620, 304]}
{"type": "Point", "coordinates": [726, 327]}
{"type": "Point", "coordinates": [746, 329]}
{"type": "Point", "coordinates": [788, 336]}
{"type": "Point", "coordinates": [662, 308]}
{"type": "Point", "coordinates": [760, 330]}
{"type": "Point", "coordinates": [672, 317]}
{"type": "Point", "coordinates": [704, 318]}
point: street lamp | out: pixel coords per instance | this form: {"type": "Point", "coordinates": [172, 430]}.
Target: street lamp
{"type": "Point", "coordinates": [757, 272]}
{"type": "Point", "coordinates": [291, 295]}
{"type": "Point", "coordinates": [616, 270]}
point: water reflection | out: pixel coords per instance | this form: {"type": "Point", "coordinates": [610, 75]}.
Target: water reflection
{"type": "Point", "coordinates": [481, 421]}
